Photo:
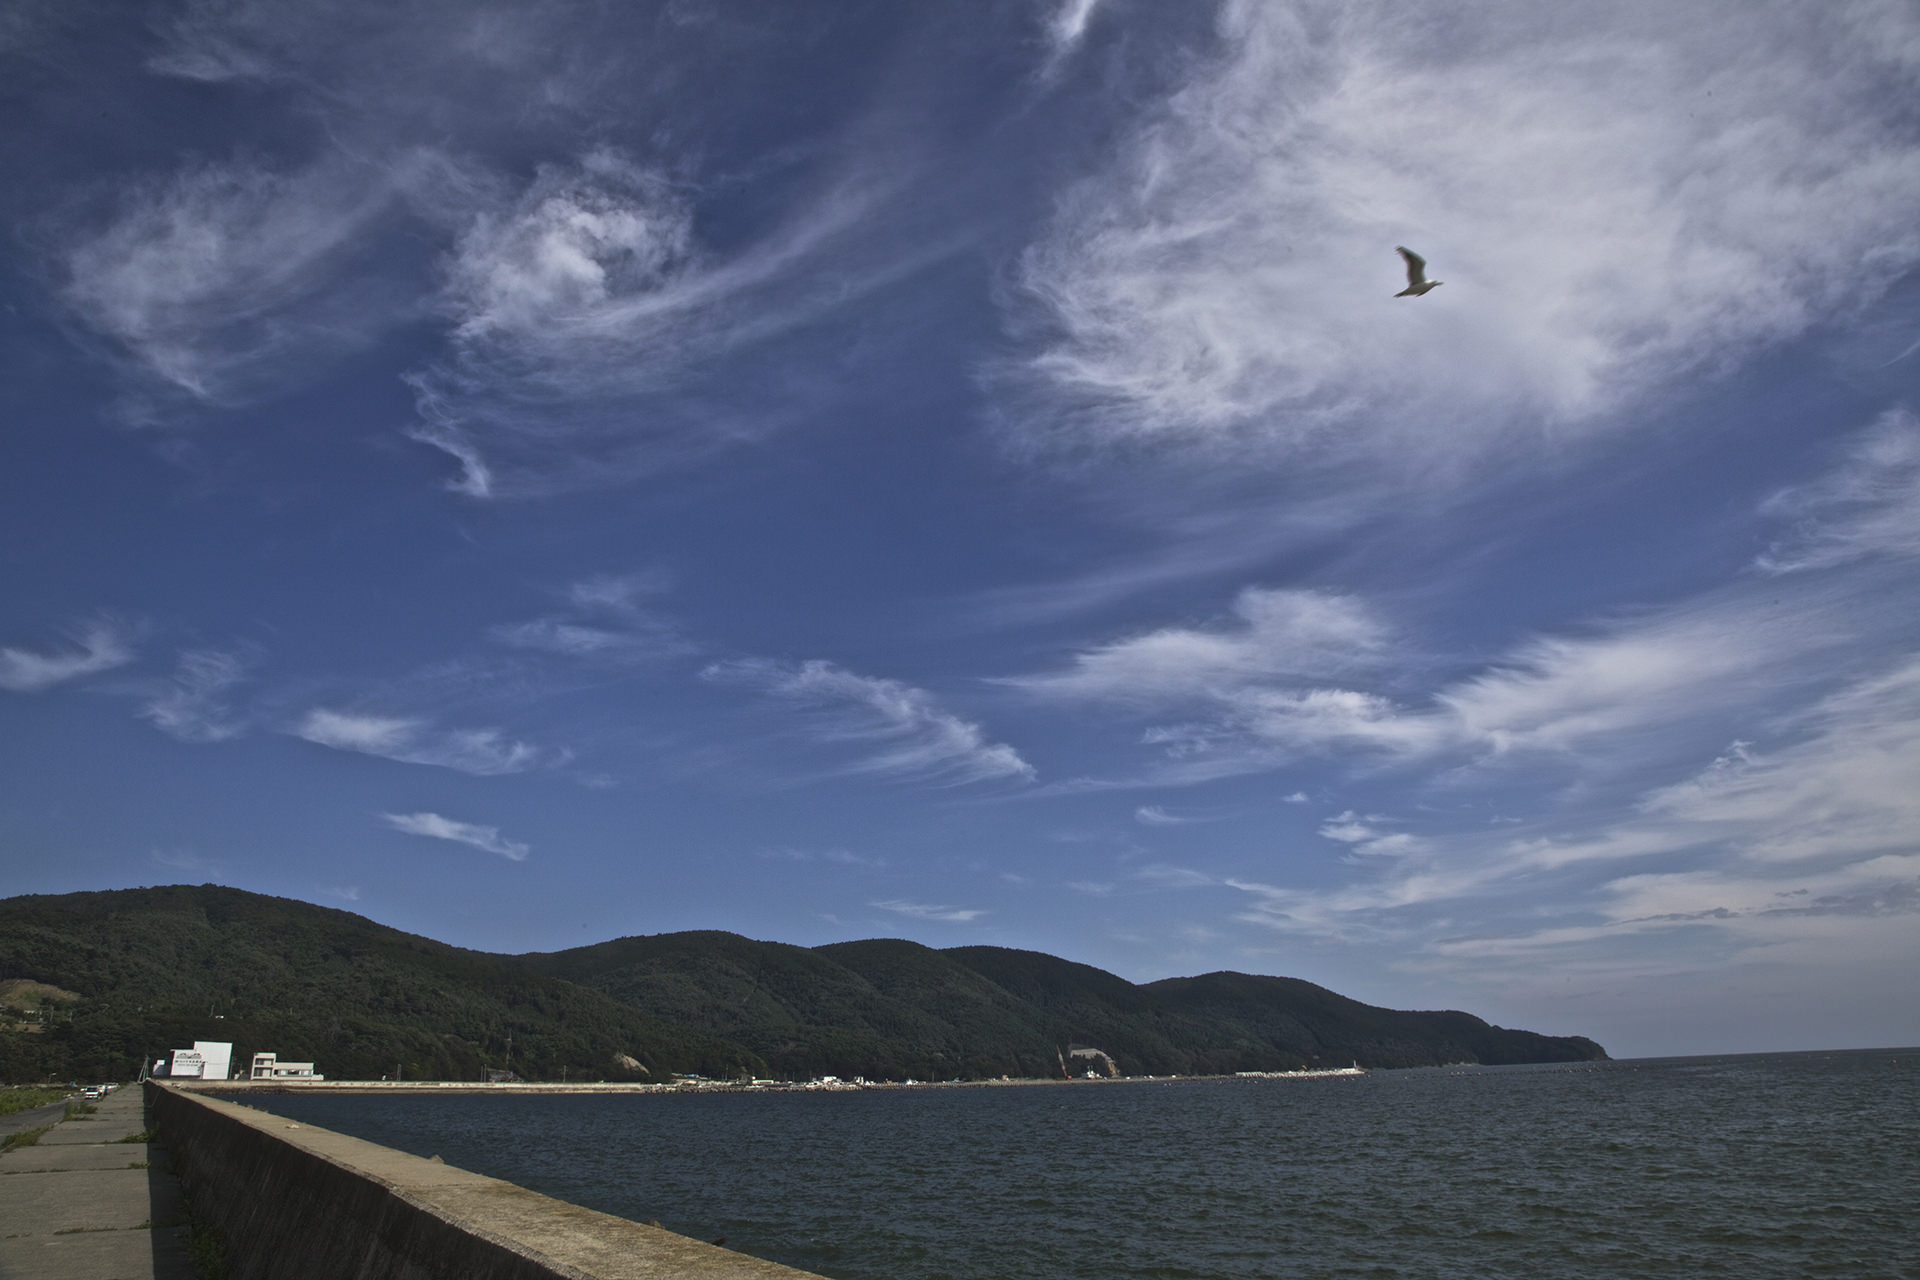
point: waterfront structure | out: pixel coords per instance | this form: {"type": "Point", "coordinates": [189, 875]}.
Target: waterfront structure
{"type": "Point", "coordinates": [207, 1060]}
{"type": "Point", "coordinates": [267, 1066]}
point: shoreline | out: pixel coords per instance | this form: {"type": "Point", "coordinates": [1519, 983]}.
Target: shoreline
{"type": "Point", "coordinates": [429, 1087]}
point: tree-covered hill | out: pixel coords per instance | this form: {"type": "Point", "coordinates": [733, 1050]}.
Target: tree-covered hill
{"type": "Point", "coordinates": [153, 969]}
{"type": "Point", "coordinates": [156, 969]}
{"type": "Point", "coordinates": [890, 1008]}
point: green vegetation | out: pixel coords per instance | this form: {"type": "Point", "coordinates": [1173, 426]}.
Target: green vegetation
{"type": "Point", "coordinates": [24, 1138]}
{"type": "Point", "coordinates": [79, 1110]}
{"type": "Point", "coordinates": [13, 1101]}
{"type": "Point", "coordinates": [155, 969]}
{"type": "Point", "coordinates": [144, 1136]}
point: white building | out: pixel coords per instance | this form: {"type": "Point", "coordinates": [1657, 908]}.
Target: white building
{"type": "Point", "coordinates": [207, 1060]}
{"type": "Point", "coordinates": [267, 1066]}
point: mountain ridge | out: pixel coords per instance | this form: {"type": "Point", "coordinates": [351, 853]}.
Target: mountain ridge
{"type": "Point", "coordinates": [158, 967]}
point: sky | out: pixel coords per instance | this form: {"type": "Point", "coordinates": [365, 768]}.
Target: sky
{"type": "Point", "coordinates": [535, 473]}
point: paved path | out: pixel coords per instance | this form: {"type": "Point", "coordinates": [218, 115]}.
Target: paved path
{"type": "Point", "coordinates": [82, 1204]}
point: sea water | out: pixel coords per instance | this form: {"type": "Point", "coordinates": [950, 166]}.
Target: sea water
{"type": "Point", "coordinates": [1788, 1165]}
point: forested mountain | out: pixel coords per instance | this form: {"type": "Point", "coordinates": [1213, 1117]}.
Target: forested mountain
{"type": "Point", "coordinates": [157, 968]}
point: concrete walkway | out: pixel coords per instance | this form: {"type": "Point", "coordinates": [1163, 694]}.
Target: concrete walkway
{"type": "Point", "coordinates": [82, 1204]}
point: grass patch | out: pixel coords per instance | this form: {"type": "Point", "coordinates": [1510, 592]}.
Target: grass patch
{"type": "Point", "coordinates": [140, 1164]}
{"type": "Point", "coordinates": [79, 1110]}
{"type": "Point", "coordinates": [15, 1100]}
{"type": "Point", "coordinates": [144, 1136]}
{"type": "Point", "coordinates": [24, 1138]}
{"type": "Point", "coordinates": [206, 1247]}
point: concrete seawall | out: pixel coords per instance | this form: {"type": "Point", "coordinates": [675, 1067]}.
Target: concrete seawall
{"type": "Point", "coordinates": [296, 1202]}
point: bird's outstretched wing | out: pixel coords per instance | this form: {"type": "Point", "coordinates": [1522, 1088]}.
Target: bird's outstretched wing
{"type": "Point", "coordinates": [1416, 267]}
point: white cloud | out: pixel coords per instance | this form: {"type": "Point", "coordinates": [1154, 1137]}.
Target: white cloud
{"type": "Point", "coordinates": [1066, 28]}
{"type": "Point", "coordinates": [184, 860]}
{"type": "Point", "coordinates": [620, 594]}
{"type": "Point", "coordinates": [922, 911]}
{"type": "Point", "coordinates": [568, 250]}
{"type": "Point", "coordinates": [606, 621]}
{"type": "Point", "coordinates": [1554, 693]}
{"type": "Point", "coordinates": [910, 735]}
{"type": "Point", "coordinates": [1869, 505]}
{"type": "Point", "coordinates": [1845, 792]}
{"type": "Point", "coordinates": [1364, 836]}
{"type": "Point", "coordinates": [226, 279]}
{"type": "Point", "coordinates": [435, 827]}
{"type": "Point", "coordinates": [1259, 695]}
{"type": "Point", "coordinates": [94, 648]}
{"type": "Point", "coordinates": [578, 304]}
{"type": "Point", "coordinates": [835, 857]}
{"type": "Point", "coordinates": [1167, 876]}
{"type": "Point", "coordinates": [1155, 815]}
{"type": "Point", "coordinates": [1273, 634]}
{"type": "Point", "coordinates": [485, 752]}
{"type": "Point", "coordinates": [1615, 197]}
{"type": "Point", "coordinates": [1757, 848]}
{"type": "Point", "coordinates": [196, 706]}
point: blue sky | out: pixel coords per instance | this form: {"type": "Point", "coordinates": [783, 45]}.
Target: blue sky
{"type": "Point", "coordinates": [535, 473]}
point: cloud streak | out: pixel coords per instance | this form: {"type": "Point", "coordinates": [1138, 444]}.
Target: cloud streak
{"type": "Point", "coordinates": [924, 911]}
{"type": "Point", "coordinates": [435, 827]}
{"type": "Point", "coordinates": [585, 310]}
{"type": "Point", "coordinates": [93, 648]}
{"type": "Point", "coordinates": [227, 279]}
{"type": "Point", "coordinates": [904, 731]}
{"type": "Point", "coordinates": [1868, 506]}
{"type": "Point", "coordinates": [483, 752]}
{"type": "Point", "coordinates": [197, 707]}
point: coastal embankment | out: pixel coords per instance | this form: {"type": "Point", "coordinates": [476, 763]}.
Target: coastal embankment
{"type": "Point", "coordinates": [297, 1202]}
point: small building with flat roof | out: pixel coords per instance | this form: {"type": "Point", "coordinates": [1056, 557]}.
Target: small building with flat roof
{"type": "Point", "coordinates": [267, 1066]}
{"type": "Point", "coordinates": [207, 1060]}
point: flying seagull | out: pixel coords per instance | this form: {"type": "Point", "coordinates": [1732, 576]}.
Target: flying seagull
{"type": "Point", "coordinates": [1417, 282]}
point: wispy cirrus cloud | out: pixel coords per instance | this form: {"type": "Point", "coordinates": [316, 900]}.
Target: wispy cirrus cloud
{"type": "Point", "coordinates": [1368, 837]}
{"type": "Point", "coordinates": [1302, 675]}
{"type": "Point", "coordinates": [1867, 506]}
{"type": "Point", "coordinates": [609, 619]}
{"type": "Point", "coordinates": [1158, 815]}
{"type": "Point", "coordinates": [1272, 634]}
{"type": "Point", "coordinates": [585, 307]}
{"type": "Point", "coordinates": [902, 730]}
{"type": "Point", "coordinates": [1819, 825]}
{"type": "Point", "coordinates": [832, 857]}
{"type": "Point", "coordinates": [483, 752]}
{"type": "Point", "coordinates": [184, 860]}
{"type": "Point", "coordinates": [228, 280]}
{"type": "Point", "coordinates": [197, 706]}
{"type": "Point", "coordinates": [435, 827]}
{"type": "Point", "coordinates": [925, 911]}
{"type": "Point", "coordinates": [1611, 206]}
{"type": "Point", "coordinates": [91, 649]}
